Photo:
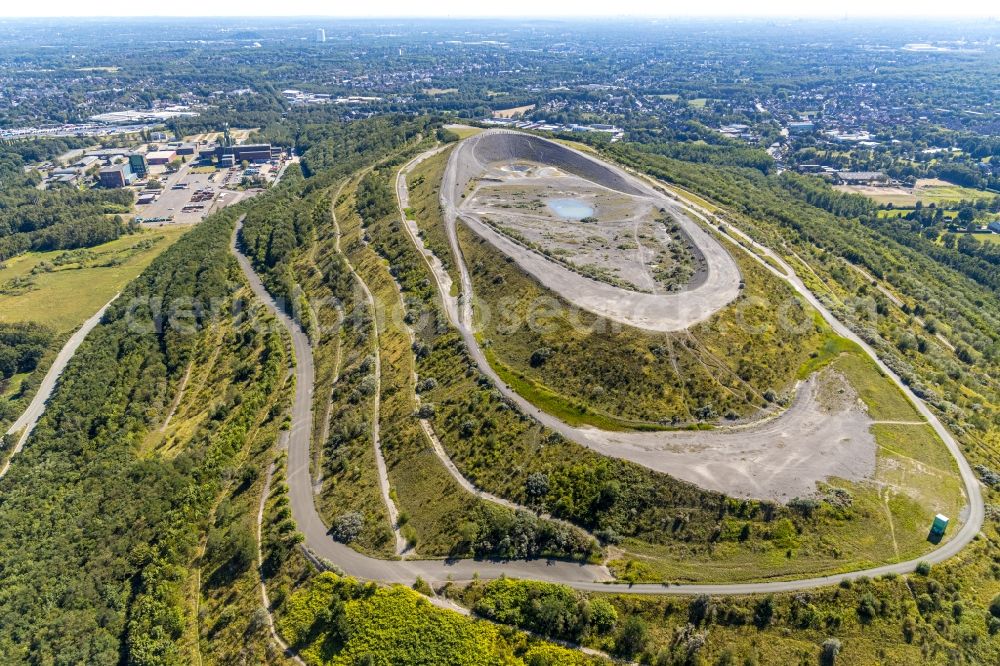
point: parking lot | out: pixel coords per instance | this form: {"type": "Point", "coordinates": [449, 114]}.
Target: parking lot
{"type": "Point", "coordinates": [188, 196]}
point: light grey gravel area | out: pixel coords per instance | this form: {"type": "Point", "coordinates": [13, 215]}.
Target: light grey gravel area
{"type": "Point", "coordinates": [825, 433]}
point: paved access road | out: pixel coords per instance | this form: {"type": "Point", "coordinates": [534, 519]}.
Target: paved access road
{"type": "Point", "coordinates": [582, 577]}
{"type": "Point", "coordinates": [300, 489]}
{"type": "Point", "coordinates": [29, 418]}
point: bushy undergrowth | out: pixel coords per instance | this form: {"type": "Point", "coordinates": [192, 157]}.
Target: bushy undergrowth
{"type": "Point", "coordinates": [335, 620]}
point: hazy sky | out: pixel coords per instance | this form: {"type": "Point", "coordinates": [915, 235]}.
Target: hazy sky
{"type": "Point", "coordinates": [513, 8]}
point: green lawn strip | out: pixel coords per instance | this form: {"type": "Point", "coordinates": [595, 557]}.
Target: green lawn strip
{"type": "Point", "coordinates": [885, 401]}
{"type": "Point", "coordinates": [923, 478]}
{"type": "Point", "coordinates": [832, 348]}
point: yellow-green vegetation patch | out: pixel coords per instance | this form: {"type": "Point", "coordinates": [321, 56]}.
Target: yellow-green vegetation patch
{"type": "Point", "coordinates": [62, 288]}
{"type": "Point", "coordinates": [987, 238]}
{"type": "Point", "coordinates": [884, 400]}
{"type": "Point", "coordinates": [927, 618]}
{"type": "Point", "coordinates": [926, 190]}
{"type": "Point", "coordinates": [690, 197]}
{"type": "Point", "coordinates": [743, 359]}
{"type": "Point", "coordinates": [225, 613]}
{"type": "Point", "coordinates": [831, 349]}
{"type": "Point", "coordinates": [465, 131]}
{"type": "Point", "coordinates": [889, 620]}
{"type": "Point", "coordinates": [920, 478]}
{"type": "Point", "coordinates": [334, 620]}
{"type": "Point", "coordinates": [573, 413]}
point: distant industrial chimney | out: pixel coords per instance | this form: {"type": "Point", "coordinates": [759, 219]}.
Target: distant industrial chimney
{"type": "Point", "coordinates": [320, 35]}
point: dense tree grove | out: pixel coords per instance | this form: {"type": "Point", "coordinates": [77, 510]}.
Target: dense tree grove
{"type": "Point", "coordinates": [21, 347]}
{"type": "Point", "coordinates": [82, 493]}
{"type": "Point", "coordinates": [275, 229]}
{"type": "Point", "coordinates": [61, 219]}
{"type": "Point", "coordinates": [39, 150]}
{"type": "Point", "coordinates": [375, 198]}
{"type": "Point", "coordinates": [550, 610]}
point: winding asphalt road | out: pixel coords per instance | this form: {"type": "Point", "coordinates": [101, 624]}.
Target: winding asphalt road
{"type": "Point", "coordinates": [307, 518]}
{"type": "Point", "coordinates": [29, 418]}
{"type": "Point", "coordinates": [582, 577]}
{"type": "Point", "coordinates": [460, 312]}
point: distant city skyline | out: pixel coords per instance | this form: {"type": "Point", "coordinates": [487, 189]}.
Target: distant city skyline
{"type": "Point", "coordinates": [900, 9]}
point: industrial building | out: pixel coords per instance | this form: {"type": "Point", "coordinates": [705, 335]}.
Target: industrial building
{"type": "Point", "coordinates": [258, 152]}
{"type": "Point", "coordinates": [108, 153]}
{"type": "Point", "coordinates": [85, 163]}
{"type": "Point", "coordinates": [160, 157]}
{"type": "Point", "coordinates": [65, 176]}
{"type": "Point", "coordinates": [115, 176]}
{"type": "Point", "coordinates": [860, 178]}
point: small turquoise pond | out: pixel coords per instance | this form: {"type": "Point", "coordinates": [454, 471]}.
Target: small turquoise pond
{"type": "Point", "coordinates": [571, 209]}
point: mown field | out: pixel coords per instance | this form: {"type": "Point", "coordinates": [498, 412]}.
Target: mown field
{"type": "Point", "coordinates": [63, 288]}
{"type": "Point", "coordinates": [59, 290]}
